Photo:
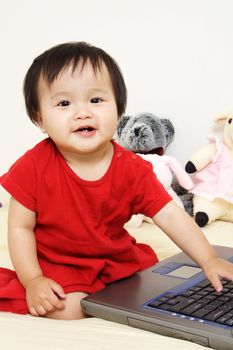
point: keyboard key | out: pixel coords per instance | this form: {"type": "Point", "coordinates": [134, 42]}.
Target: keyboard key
{"type": "Point", "coordinates": [195, 288]}
{"type": "Point", "coordinates": [224, 282]}
{"type": "Point", "coordinates": [172, 302]}
{"type": "Point", "coordinates": [182, 302]}
{"type": "Point", "coordinates": [217, 303]}
{"type": "Point", "coordinates": [225, 290]}
{"type": "Point", "coordinates": [214, 315]}
{"type": "Point", "coordinates": [169, 295]}
{"type": "Point", "coordinates": [203, 284]}
{"type": "Point", "coordinates": [217, 294]}
{"type": "Point", "coordinates": [188, 293]}
{"type": "Point", "coordinates": [229, 286]}
{"type": "Point", "coordinates": [162, 300]}
{"type": "Point", "coordinates": [230, 295]}
{"type": "Point", "coordinates": [209, 289]}
{"type": "Point", "coordinates": [210, 307]}
{"type": "Point", "coordinates": [155, 303]}
{"type": "Point", "coordinates": [229, 322]}
{"type": "Point", "coordinates": [164, 306]}
{"type": "Point", "coordinates": [192, 308]}
{"type": "Point", "coordinates": [229, 304]}
{"type": "Point", "coordinates": [224, 318]}
{"type": "Point", "coordinates": [200, 313]}
{"type": "Point", "coordinates": [210, 297]}
{"type": "Point", "coordinates": [223, 299]}
{"type": "Point", "coordinates": [226, 307]}
{"type": "Point", "coordinates": [197, 296]}
{"type": "Point", "coordinates": [203, 293]}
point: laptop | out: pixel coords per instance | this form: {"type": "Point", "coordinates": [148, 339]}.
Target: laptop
{"type": "Point", "coordinates": [172, 298]}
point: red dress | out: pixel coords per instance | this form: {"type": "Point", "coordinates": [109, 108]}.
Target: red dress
{"type": "Point", "coordinates": [81, 241]}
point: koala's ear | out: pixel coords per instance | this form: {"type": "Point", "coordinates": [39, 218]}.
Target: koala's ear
{"type": "Point", "coordinates": [169, 129]}
{"type": "Point", "coordinates": [122, 123]}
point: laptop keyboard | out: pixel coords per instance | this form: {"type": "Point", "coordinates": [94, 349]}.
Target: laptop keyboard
{"type": "Point", "coordinates": [201, 301]}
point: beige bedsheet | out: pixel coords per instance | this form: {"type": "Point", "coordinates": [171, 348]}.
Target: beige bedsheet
{"type": "Point", "coordinates": [27, 332]}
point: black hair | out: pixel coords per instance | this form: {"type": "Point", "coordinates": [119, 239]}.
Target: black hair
{"type": "Point", "coordinates": [50, 63]}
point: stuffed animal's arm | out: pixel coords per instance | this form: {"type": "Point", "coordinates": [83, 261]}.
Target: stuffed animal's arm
{"type": "Point", "coordinates": [182, 177]}
{"type": "Point", "coordinates": [201, 159]}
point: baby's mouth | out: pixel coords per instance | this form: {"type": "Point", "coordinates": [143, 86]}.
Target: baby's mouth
{"type": "Point", "coordinates": [85, 131]}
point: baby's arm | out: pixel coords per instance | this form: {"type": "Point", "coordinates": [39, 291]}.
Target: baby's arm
{"type": "Point", "coordinates": [40, 291]}
{"type": "Point", "coordinates": [182, 229]}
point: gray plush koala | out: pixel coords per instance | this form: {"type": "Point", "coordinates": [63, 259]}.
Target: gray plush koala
{"type": "Point", "coordinates": [145, 133]}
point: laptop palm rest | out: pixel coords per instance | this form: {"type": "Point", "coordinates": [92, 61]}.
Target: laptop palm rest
{"type": "Point", "coordinates": [127, 302]}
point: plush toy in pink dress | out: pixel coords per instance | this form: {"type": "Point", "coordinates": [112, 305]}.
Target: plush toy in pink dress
{"type": "Point", "coordinates": [212, 167]}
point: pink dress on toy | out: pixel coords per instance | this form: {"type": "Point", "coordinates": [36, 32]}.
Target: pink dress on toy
{"type": "Point", "coordinates": [216, 180]}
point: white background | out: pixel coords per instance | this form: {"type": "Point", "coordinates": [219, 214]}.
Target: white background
{"type": "Point", "coordinates": [176, 56]}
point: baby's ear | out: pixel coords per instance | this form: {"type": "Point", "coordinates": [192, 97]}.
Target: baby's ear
{"type": "Point", "coordinates": [40, 123]}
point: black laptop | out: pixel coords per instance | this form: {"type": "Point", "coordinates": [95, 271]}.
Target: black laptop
{"type": "Point", "coordinates": [172, 298]}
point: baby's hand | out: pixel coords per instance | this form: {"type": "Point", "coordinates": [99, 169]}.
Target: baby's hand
{"type": "Point", "coordinates": [217, 268]}
{"type": "Point", "coordinates": [42, 295]}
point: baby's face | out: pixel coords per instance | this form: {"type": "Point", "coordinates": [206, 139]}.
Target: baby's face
{"type": "Point", "coordinates": [78, 110]}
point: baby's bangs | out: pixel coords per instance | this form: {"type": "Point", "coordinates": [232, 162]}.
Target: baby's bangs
{"type": "Point", "coordinates": [52, 68]}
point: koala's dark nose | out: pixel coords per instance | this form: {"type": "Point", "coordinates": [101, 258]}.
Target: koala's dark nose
{"type": "Point", "coordinates": [136, 131]}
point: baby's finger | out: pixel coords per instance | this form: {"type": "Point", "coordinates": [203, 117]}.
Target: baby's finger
{"type": "Point", "coordinates": [58, 290]}
{"type": "Point", "coordinates": [48, 306]}
{"type": "Point", "coordinates": [41, 310]}
{"type": "Point", "coordinates": [216, 283]}
{"type": "Point", "coordinates": [33, 311]}
{"type": "Point", "coordinates": [55, 301]}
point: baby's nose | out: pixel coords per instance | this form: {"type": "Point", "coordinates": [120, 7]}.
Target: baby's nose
{"type": "Point", "coordinates": [82, 114]}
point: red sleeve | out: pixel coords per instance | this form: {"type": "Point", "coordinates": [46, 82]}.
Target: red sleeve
{"type": "Point", "coordinates": [20, 181]}
{"type": "Point", "coordinates": [150, 195]}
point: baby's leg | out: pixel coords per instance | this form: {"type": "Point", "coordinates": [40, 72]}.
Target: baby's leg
{"type": "Point", "coordinates": [72, 309]}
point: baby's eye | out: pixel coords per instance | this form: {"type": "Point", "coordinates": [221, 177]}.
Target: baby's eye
{"type": "Point", "coordinates": [64, 103]}
{"type": "Point", "coordinates": [96, 100]}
